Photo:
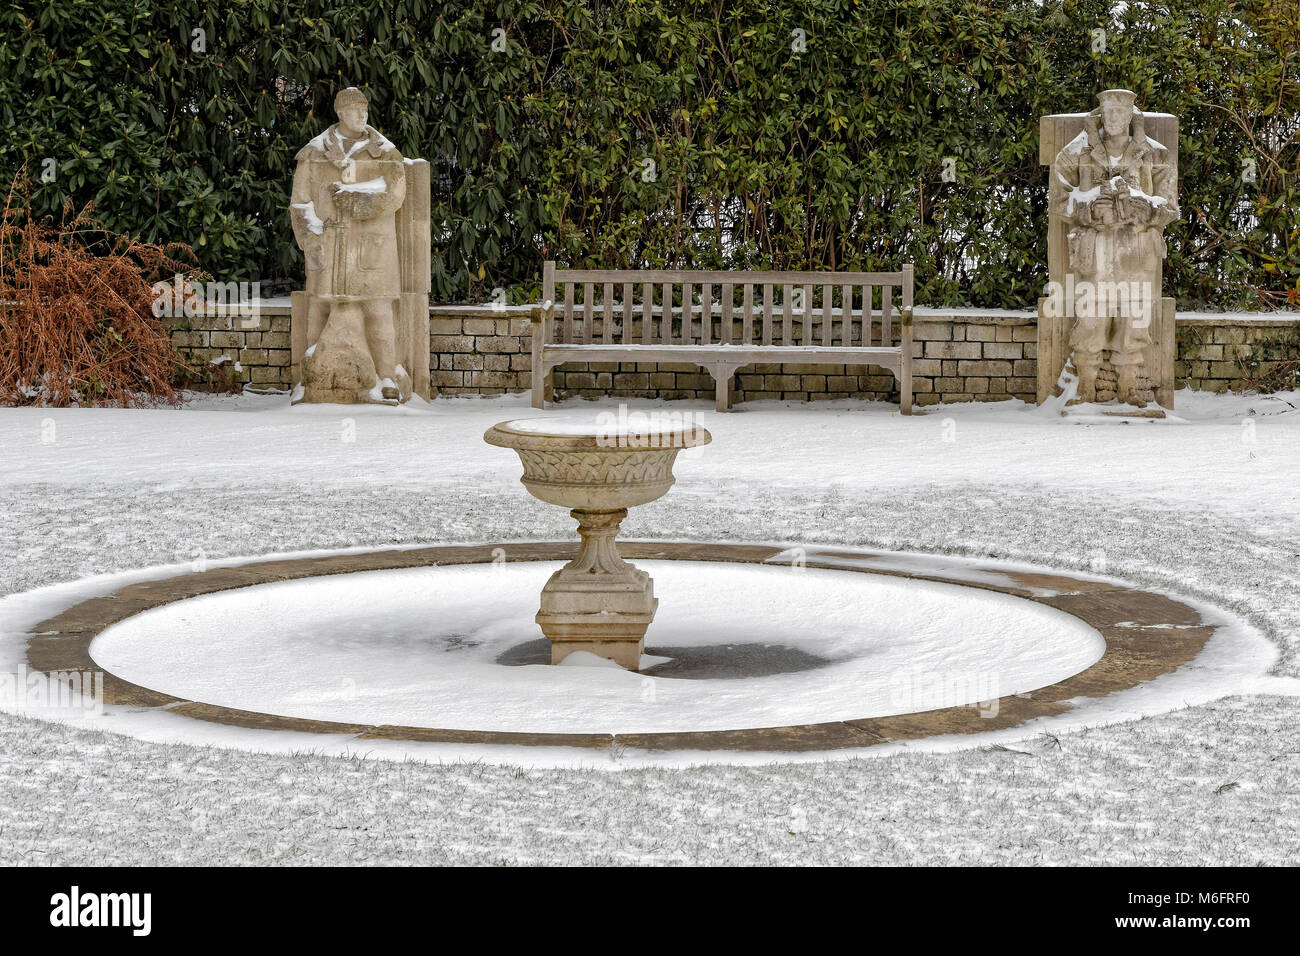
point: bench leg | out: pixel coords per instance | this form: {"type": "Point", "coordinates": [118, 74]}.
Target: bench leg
{"type": "Point", "coordinates": [722, 372]}
{"type": "Point", "coordinates": [903, 378]}
{"type": "Point", "coordinates": [905, 349]}
{"type": "Point", "coordinates": [537, 369]}
{"type": "Point", "coordinates": [542, 389]}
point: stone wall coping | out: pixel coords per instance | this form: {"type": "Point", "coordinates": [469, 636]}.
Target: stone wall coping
{"type": "Point", "coordinates": [282, 306]}
{"type": "Point", "coordinates": [1267, 319]}
{"type": "Point", "coordinates": [262, 307]}
{"type": "Point", "coordinates": [974, 316]}
{"type": "Point", "coordinates": [931, 312]}
{"type": "Point", "coordinates": [481, 309]}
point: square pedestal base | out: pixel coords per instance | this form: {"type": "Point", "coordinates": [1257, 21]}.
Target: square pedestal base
{"type": "Point", "coordinates": [603, 614]}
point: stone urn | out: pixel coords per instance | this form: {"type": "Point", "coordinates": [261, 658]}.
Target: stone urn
{"type": "Point", "coordinates": [597, 602]}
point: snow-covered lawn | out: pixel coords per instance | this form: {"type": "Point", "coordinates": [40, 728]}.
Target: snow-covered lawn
{"type": "Point", "coordinates": [1205, 505]}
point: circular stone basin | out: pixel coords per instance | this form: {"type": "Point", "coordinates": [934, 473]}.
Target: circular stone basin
{"type": "Point", "coordinates": [734, 646]}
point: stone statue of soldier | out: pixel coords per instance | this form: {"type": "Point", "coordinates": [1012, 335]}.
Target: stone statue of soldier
{"type": "Point", "coordinates": [349, 183]}
{"type": "Point", "coordinates": [1115, 189]}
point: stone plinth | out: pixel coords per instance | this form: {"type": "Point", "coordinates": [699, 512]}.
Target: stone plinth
{"type": "Point", "coordinates": [598, 602]}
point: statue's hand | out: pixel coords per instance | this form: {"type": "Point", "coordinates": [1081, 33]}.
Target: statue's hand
{"type": "Point", "coordinates": [366, 205]}
{"type": "Point", "coordinates": [1146, 212]}
{"type": "Point", "coordinates": [309, 241]}
{"type": "Point", "coordinates": [343, 203]}
{"type": "Point", "coordinates": [354, 205]}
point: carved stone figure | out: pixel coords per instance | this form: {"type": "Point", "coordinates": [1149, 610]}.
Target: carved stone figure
{"type": "Point", "coordinates": [1112, 189]}
{"type": "Point", "coordinates": [350, 189]}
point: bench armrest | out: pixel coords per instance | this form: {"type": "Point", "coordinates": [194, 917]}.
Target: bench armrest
{"type": "Point", "coordinates": [540, 313]}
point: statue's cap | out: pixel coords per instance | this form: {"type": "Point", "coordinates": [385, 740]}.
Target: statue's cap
{"type": "Point", "coordinates": [1124, 98]}
{"type": "Point", "coordinates": [349, 97]}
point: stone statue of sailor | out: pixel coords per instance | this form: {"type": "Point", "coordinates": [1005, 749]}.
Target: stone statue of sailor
{"type": "Point", "coordinates": [1115, 189]}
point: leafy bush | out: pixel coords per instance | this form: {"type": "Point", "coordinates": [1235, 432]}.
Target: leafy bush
{"type": "Point", "coordinates": [831, 156]}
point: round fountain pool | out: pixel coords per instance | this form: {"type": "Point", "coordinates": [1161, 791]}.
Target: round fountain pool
{"type": "Point", "coordinates": [733, 646]}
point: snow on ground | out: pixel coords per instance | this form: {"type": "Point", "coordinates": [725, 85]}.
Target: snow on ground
{"type": "Point", "coordinates": [1204, 504]}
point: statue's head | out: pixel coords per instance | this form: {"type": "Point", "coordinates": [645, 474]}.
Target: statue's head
{"type": "Point", "coordinates": [1116, 110]}
{"type": "Point", "coordinates": [353, 111]}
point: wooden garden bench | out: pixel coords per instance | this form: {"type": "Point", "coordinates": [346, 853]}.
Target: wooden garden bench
{"type": "Point", "coordinates": [668, 316]}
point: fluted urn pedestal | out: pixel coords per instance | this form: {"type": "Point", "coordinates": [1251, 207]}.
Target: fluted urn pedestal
{"type": "Point", "coordinates": [597, 602]}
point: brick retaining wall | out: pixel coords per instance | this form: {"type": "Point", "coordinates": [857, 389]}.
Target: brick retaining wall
{"type": "Point", "coordinates": [959, 356]}
{"type": "Point", "coordinates": [1218, 354]}
{"type": "Point", "coordinates": [257, 345]}
{"type": "Point", "coordinates": [479, 350]}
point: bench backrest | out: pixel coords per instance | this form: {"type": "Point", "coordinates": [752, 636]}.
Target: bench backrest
{"type": "Point", "coordinates": [670, 307]}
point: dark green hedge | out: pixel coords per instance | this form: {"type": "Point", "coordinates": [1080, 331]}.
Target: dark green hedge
{"type": "Point", "coordinates": [763, 156]}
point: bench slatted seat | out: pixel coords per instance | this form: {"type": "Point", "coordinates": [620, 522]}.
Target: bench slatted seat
{"type": "Point", "coordinates": [723, 321]}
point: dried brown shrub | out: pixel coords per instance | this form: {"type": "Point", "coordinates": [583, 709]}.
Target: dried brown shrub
{"type": "Point", "coordinates": [76, 311]}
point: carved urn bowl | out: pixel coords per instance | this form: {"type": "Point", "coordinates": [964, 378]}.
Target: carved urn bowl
{"type": "Point", "coordinates": [597, 603]}
{"type": "Point", "coordinates": [589, 466]}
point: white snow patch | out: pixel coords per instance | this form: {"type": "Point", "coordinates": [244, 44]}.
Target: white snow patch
{"type": "Point", "coordinates": [1076, 146]}
{"type": "Point", "coordinates": [314, 222]}
{"type": "Point", "coordinates": [369, 187]}
{"type": "Point", "coordinates": [588, 659]}
{"type": "Point", "coordinates": [1080, 197]}
{"type": "Point", "coordinates": [601, 425]}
